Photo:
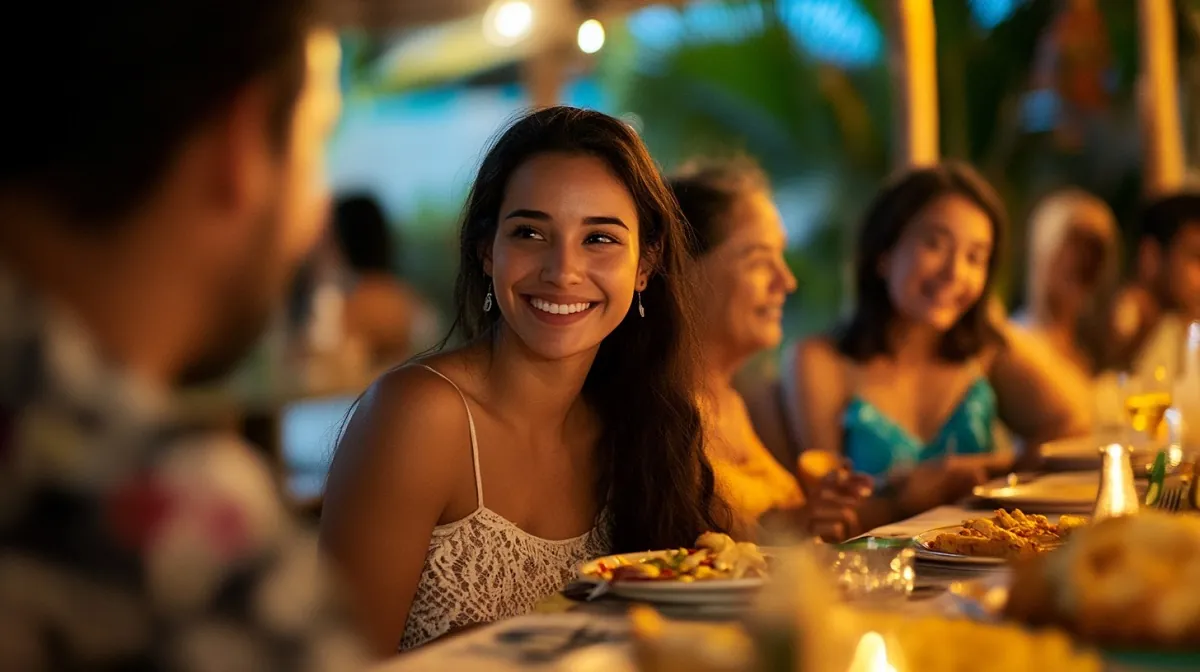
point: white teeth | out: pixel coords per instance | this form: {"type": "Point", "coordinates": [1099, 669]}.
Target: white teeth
{"type": "Point", "coordinates": [558, 308]}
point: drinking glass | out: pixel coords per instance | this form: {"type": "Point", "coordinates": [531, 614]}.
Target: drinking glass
{"type": "Point", "coordinates": [1147, 398]}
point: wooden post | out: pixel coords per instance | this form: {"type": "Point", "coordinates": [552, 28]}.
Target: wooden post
{"type": "Point", "coordinates": [913, 55]}
{"type": "Point", "coordinates": [1159, 98]}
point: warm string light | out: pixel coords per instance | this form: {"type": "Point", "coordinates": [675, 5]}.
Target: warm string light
{"type": "Point", "coordinates": [591, 36]}
{"type": "Point", "coordinates": [507, 22]}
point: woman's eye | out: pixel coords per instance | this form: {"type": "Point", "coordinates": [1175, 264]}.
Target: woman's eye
{"type": "Point", "coordinates": [526, 233]}
{"type": "Point", "coordinates": [933, 242]}
{"type": "Point", "coordinates": [602, 238]}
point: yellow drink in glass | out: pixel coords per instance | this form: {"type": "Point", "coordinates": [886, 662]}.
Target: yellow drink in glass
{"type": "Point", "coordinates": [1146, 410]}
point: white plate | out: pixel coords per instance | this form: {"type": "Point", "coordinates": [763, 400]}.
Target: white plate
{"type": "Point", "coordinates": [716, 591]}
{"type": "Point", "coordinates": [924, 552]}
{"type": "Point", "coordinates": [1070, 492]}
{"type": "Point", "coordinates": [1083, 454]}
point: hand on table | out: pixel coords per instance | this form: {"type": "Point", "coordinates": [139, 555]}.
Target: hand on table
{"type": "Point", "coordinates": [937, 482]}
{"type": "Point", "coordinates": [833, 503]}
{"type": "Point", "coordinates": [833, 494]}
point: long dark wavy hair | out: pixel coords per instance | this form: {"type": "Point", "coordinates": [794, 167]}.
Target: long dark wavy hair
{"type": "Point", "coordinates": [865, 334]}
{"type": "Point", "coordinates": [654, 479]}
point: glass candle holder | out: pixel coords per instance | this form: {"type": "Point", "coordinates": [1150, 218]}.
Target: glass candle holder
{"type": "Point", "coordinates": [873, 574]}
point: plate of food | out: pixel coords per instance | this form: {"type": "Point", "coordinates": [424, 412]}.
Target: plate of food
{"type": "Point", "coordinates": [716, 569]}
{"type": "Point", "coordinates": [996, 540]}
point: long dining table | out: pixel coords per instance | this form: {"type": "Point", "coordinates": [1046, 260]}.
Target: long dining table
{"type": "Point", "coordinates": [561, 630]}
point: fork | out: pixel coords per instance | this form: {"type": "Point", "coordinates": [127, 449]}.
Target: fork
{"type": "Point", "coordinates": [1172, 498]}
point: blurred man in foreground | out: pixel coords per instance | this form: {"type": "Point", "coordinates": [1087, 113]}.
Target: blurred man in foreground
{"type": "Point", "coordinates": [157, 188]}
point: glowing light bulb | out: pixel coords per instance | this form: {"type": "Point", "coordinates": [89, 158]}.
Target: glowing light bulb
{"type": "Point", "coordinates": [591, 36]}
{"type": "Point", "coordinates": [508, 22]}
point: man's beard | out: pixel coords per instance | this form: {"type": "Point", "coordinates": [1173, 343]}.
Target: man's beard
{"type": "Point", "coordinates": [247, 300]}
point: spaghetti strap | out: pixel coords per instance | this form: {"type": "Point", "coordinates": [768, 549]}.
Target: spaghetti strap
{"type": "Point", "coordinates": [471, 424]}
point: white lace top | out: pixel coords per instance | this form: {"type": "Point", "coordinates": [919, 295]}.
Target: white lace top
{"type": "Point", "coordinates": [484, 568]}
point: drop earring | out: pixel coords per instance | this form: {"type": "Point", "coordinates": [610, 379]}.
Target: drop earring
{"type": "Point", "coordinates": [487, 300]}
{"type": "Point", "coordinates": [641, 308]}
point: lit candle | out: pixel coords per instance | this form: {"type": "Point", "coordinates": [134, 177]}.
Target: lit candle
{"type": "Point", "coordinates": [871, 655]}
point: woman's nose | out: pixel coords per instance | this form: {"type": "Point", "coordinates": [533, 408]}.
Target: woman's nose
{"type": "Point", "coordinates": [562, 265]}
{"type": "Point", "coordinates": [785, 278]}
{"type": "Point", "coordinates": [953, 266]}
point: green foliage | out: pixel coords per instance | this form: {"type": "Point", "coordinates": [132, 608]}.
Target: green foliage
{"type": "Point", "coordinates": [763, 95]}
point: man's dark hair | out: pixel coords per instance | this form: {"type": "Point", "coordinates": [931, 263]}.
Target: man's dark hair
{"type": "Point", "coordinates": [104, 95]}
{"type": "Point", "coordinates": [1163, 217]}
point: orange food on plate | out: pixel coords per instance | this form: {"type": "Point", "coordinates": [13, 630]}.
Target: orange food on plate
{"type": "Point", "coordinates": [716, 556]}
{"type": "Point", "coordinates": [1007, 535]}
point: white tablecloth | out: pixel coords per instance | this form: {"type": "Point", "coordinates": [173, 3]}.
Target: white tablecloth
{"type": "Point", "coordinates": [533, 642]}
{"type": "Point", "coordinates": [939, 517]}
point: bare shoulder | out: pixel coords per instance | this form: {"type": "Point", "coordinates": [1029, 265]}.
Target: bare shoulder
{"type": "Point", "coordinates": [400, 417]}
{"type": "Point", "coordinates": [819, 394]}
{"type": "Point", "coordinates": [817, 357]}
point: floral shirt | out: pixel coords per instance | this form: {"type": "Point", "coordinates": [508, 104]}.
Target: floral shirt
{"type": "Point", "coordinates": [131, 541]}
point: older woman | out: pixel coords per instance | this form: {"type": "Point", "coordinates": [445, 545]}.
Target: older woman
{"type": "Point", "coordinates": [1072, 274]}
{"type": "Point", "coordinates": [738, 240]}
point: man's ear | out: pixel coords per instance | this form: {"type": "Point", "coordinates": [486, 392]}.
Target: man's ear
{"type": "Point", "coordinates": [238, 168]}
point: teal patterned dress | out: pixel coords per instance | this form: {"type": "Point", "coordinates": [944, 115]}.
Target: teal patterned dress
{"type": "Point", "coordinates": [877, 446]}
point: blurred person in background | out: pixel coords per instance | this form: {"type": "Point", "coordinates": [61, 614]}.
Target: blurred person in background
{"type": "Point", "coordinates": [470, 484]}
{"type": "Point", "coordinates": [155, 198]}
{"type": "Point", "coordinates": [738, 241]}
{"type": "Point", "coordinates": [1073, 264]}
{"type": "Point", "coordinates": [1151, 313]}
{"type": "Point", "coordinates": [910, 387]}
{"type": "Point", "coordinates": [385, 316]}
{"type": "Point", "coordinates": [1072, 273]}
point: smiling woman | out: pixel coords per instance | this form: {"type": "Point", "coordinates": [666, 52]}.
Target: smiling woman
{"type": "Point", "coordinates": [910, 388]}
{"type": "Point", "coordinates": [738, 240]}
{"type": "Point", "coordinates": [577, 411]}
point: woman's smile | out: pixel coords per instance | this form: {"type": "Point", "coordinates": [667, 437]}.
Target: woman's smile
{"type": "Point", "coordinates": [559, 311]}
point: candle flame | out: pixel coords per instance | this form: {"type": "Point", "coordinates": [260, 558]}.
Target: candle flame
{"type": "Point", "coordinates": [871, 655]}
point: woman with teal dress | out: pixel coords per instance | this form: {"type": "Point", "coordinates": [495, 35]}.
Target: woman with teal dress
{"type": "Point", "coordinates": [909, 388]}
